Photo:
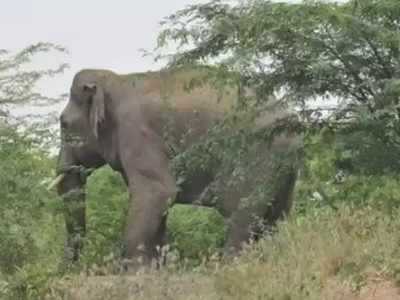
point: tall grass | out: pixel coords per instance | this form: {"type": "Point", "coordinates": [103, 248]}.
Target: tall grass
{"type": "Point", "coordinates": [318, 256]}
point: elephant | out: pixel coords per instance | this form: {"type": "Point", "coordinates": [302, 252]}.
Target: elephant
{"type": "Point", "coordinates": [139, 124]}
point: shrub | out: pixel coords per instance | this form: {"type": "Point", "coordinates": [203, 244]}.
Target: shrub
{"type": "Point", "coordinates": [195, 232]}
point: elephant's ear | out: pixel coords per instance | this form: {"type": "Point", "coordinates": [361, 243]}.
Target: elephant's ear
{"type": "Point", "coordinates": [97, 107]}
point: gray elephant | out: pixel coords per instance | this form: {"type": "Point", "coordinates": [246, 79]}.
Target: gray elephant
{"type": "Point", "coordinates": [139, 125]}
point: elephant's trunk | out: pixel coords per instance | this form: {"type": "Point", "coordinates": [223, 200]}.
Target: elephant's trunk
{"type": "Point", "coordinates": [71, 187]}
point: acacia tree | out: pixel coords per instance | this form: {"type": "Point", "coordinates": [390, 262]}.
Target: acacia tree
{"type": "Point", "coordinates": [17, 84]}
{"type": "Point", "coordinates": [345, 54]}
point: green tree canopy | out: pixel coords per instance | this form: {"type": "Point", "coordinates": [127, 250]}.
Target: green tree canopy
{"type": "Point", "coordinates": [345, 54]}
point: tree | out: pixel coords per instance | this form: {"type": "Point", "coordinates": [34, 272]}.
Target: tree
{"type": "Point", "coordinates": [17, 82]}
{"type": "Point", "coordinates": [28, 218]}
{"type": "Point", "coordinates": [345, 54]}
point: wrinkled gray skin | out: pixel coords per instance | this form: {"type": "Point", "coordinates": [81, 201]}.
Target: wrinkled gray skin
{"type": "Point", "coordinates": [122, 121]}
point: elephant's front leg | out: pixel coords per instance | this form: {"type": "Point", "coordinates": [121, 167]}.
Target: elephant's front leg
{"type": "Point", "coordinates": [151, 186]}
{"type": "Point", "coordinates": [147, 216]}
{"type": "Point", "coordinates": [71, 188]}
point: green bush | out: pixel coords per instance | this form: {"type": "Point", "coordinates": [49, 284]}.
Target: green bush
{"type": "Point", "coordinates": [107, 202]}
{"type": "Point", "coordinates": [31, 226]}
{"type": "Point", "coordinates": [324, 181]}
{"type": "Point", "coordinates": [195, 232]}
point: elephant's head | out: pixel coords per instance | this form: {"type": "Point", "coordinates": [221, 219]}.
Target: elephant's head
{"type": "Point", "coordinates": [80, 123]}
{"type": "Point", "coordinates": [83, 117]}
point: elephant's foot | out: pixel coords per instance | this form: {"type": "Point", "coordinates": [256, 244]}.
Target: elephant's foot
{"type": "Point", "coordinates": [133, 266]}
{"type": "Point", "coordinates": [73, 248]}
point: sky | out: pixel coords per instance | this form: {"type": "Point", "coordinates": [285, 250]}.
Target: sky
{"type": "Point", "coordinates": [98, 33]}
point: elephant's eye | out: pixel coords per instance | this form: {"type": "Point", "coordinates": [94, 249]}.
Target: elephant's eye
{"type": "Point", "coordinates": [75, 98]}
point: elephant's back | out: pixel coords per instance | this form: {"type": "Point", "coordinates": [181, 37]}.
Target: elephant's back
{"type": "Point", "coordinates": [179, 114]}
{"type": "Point", "coordinates": [179, 89]}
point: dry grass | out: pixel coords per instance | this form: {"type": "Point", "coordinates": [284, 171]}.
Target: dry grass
{"type": "Point", "coordinates": [344, 256]}
{"type": "Point", "coordinates": [152, 285]}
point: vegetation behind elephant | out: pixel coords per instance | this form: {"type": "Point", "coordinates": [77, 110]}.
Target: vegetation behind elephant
{"type": "Point", "coordinates": [163, 141]}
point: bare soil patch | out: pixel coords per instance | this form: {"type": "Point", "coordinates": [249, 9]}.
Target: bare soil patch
{"type": "Point", "coordinates": [377, 289]}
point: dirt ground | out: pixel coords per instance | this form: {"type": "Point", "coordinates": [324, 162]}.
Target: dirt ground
{"type": "Point", "coordinates": [143, 286]}
{"type": "Point", "coordinates": [190, 287]}
{"type": "Point", "coordinates": [375, 289]}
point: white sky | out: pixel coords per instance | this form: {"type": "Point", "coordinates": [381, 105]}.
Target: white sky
{"type": "Point", "coordinates": [98, 33]}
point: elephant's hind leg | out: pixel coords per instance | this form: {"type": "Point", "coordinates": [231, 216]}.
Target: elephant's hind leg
{"type": "Point", "coordinates": [255, 218]}
{"type": "Point", "coordinates": [239, 230]}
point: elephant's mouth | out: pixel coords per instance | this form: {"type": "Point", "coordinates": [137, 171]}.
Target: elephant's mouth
{"type": "Point", "coordinates": [74, 140]}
